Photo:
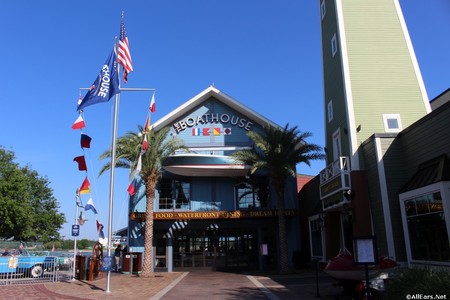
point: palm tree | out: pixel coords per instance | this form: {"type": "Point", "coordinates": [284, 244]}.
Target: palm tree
{"type": "Point", "coordinates": [128, 150]}
{"type": "Point", "coordinates": [278, 151]}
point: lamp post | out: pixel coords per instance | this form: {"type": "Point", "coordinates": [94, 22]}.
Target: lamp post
{"type": "Point", "coordinates": [78, 204]}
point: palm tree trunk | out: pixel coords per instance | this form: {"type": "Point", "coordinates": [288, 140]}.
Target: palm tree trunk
{"type": "Point", "coordinates": [147, 270]}
{"type": "Point", "coordinates": [283, 262]}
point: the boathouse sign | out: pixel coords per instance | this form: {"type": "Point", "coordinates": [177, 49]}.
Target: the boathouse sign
{"type": "Point", "coordinates": [224, 119]}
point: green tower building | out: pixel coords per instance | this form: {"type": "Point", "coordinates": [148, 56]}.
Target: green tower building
{"type": "Point", "coordinates": [372, 87]}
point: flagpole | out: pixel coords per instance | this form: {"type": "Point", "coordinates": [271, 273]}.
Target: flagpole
{"type": "Point", "coordinates": [75, 242]}
{"type": "Point", "coordinates": [111, 183]}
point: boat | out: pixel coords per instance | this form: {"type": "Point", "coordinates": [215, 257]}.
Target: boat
{"type": "Point", "coordinates": [342, 267]}
{"type": "Point", "coordinates": [193, 164]}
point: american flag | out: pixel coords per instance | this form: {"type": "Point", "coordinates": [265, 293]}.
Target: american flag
{"type": "Point", "coordinates": [124, 57]}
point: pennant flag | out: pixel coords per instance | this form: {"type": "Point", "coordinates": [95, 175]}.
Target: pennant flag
{"type": "Point", "coordinates": [132, 188]}
{"type": "Point", "coordinates": [81, 163]}
{"type": "Point", "coordinates": [139, 164]}
{"type": "Point", "coordinates": [147, 125]}
{"type": "Point", "coordinates": [153, 104]}
{"type": "Point", "coordinates": [100, 230]}
{"type": "Point", "coordinates": [90, 206]}
{"type": "Point", "coordinates": [85, 187]}
{"type": "Point", "coordinates": [144, 145]}
{"type": "Point", "coordinates": [124, 56]}
{"type": "Point", "coordinates": [85, 141]}
{"type": "Point", "coordinates": [105, 85]}
{"type": "Point", "coordinates": [79, 123]}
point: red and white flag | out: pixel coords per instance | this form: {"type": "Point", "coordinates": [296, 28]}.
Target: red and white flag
{"type": "Point", "coordinates": [153, 104]}
{"type": "Point", "coordinates": [144, 145]}
{"type": "Point", "coordinates": [79, 123]}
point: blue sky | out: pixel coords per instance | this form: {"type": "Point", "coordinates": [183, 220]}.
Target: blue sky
{"type": "Point", "coordinates": [265, 54]}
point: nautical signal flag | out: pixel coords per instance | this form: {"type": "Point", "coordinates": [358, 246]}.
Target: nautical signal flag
{"type": "Point", "coordinates": [144, 145]}
{"type": "Point", "coordinates": [79, 123]}
{"type": "Point", "coordinates": [124, 56]}
{"type": "Point", "coordinates": [147, 125]}
{"type": "Point", "coordinates": [100, 230]}
{"type": "Point", "coordinates": [85, 141]}
{"type": "Point", "coordinates": [153, 104]}
{"type": "Point", "coordinates": [90, 206]}
{"type": "Point", "coordinates": [85, 187]}
{"type": "Point", "coordinates": [81, 163]}
{"type": "Point", "coordinates": [105, 85]}
{"type": "Point", "coordinates": [132, 187]}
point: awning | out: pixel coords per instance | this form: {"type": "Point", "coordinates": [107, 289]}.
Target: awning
{"type": "Point", "coordinates": [432, 171]}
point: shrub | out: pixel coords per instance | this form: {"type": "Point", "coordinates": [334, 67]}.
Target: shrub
{"type": "Point", "coordinates": [419, 281]}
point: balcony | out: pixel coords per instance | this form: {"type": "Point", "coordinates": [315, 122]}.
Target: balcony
{"type": "Point", "coordinates": [335, 183]}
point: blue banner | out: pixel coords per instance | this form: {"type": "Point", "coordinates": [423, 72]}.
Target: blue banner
{"type": "Point", "coordinates": [105, 85]}
{"type": "Point", "coordinates": [107, 263]}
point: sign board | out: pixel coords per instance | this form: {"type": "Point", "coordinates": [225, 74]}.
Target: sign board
{"type": "Point", "coordinates": [107, 264]}
{"type": "Point", "coordinates": [75, 230]}
{"type": "Point", "coordinates": [365, 251]}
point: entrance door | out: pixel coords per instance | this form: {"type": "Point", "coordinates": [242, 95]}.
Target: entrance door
{"type": "Point", "coordinates": [215, 248]}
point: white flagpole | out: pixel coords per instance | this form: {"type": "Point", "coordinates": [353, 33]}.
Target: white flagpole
{"type": "Point", "coordinates": [111, 183]}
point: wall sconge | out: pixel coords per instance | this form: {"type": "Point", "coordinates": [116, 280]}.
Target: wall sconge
{"type": "Point", "coordinates": [348, 194]}
{"type": "Point", "coordinates": [358, 129]}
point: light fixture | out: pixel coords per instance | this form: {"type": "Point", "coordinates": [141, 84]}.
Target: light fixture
{"type": "Point", "coordinates": [348, 194]}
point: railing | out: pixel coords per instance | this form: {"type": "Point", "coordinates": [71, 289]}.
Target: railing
{"type": "Point", "coordinates": [339, 166]}
{"type": "Point", "coordinates": [53, 269]}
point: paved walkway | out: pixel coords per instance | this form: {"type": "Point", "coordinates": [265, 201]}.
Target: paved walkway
{"type": "Point", "coordinates": [194, 284]}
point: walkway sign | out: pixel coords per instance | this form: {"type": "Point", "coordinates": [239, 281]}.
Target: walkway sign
{"type": "Point", "coordinates": [75, 230]}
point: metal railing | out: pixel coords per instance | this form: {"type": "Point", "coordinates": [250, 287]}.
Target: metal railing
{"type": "Point", "coordinates": [53, 269]}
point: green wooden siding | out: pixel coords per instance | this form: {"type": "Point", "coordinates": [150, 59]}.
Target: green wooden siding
{"type": "Point", "coordinates": [383, 79]}
{"type": "Point", "coordinates": [333, 83]}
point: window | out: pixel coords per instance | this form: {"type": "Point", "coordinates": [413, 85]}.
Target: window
{"type": "Point", "coordinates": [323, 9]}
{"type": "Point", "coordinates": [337, 145]}
{"type": "Point", "coordinates": [330, 111]}
{"type": "Point", "coordinates": [165, 194]}
{"type": "Point", "coordinates": [174, 193]}
{"type": "Point", "coordinates": [427, 231]}
{"type": "Point", "coordinates": [392, 123]}
{"type": "Point", "coordinates": [333, 45]}
{"type": "Point", "coordinates": [246, 197]}
{"type": "Point", "coordinates": [252, 195]}
{"type": "Point", "coordinates": [182, 192]}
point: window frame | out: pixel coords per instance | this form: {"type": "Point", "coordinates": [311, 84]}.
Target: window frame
{"type": "Point", "coordinates": [323, 9]}
{"type": "Point", "coordinates": [387, 118]}
{"type": "Point", "coordinates": [330, 111]}
{"type": "Point", "coordinates": [334, 45]}
{"type": "Point", "coordinates": [443, 188]}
